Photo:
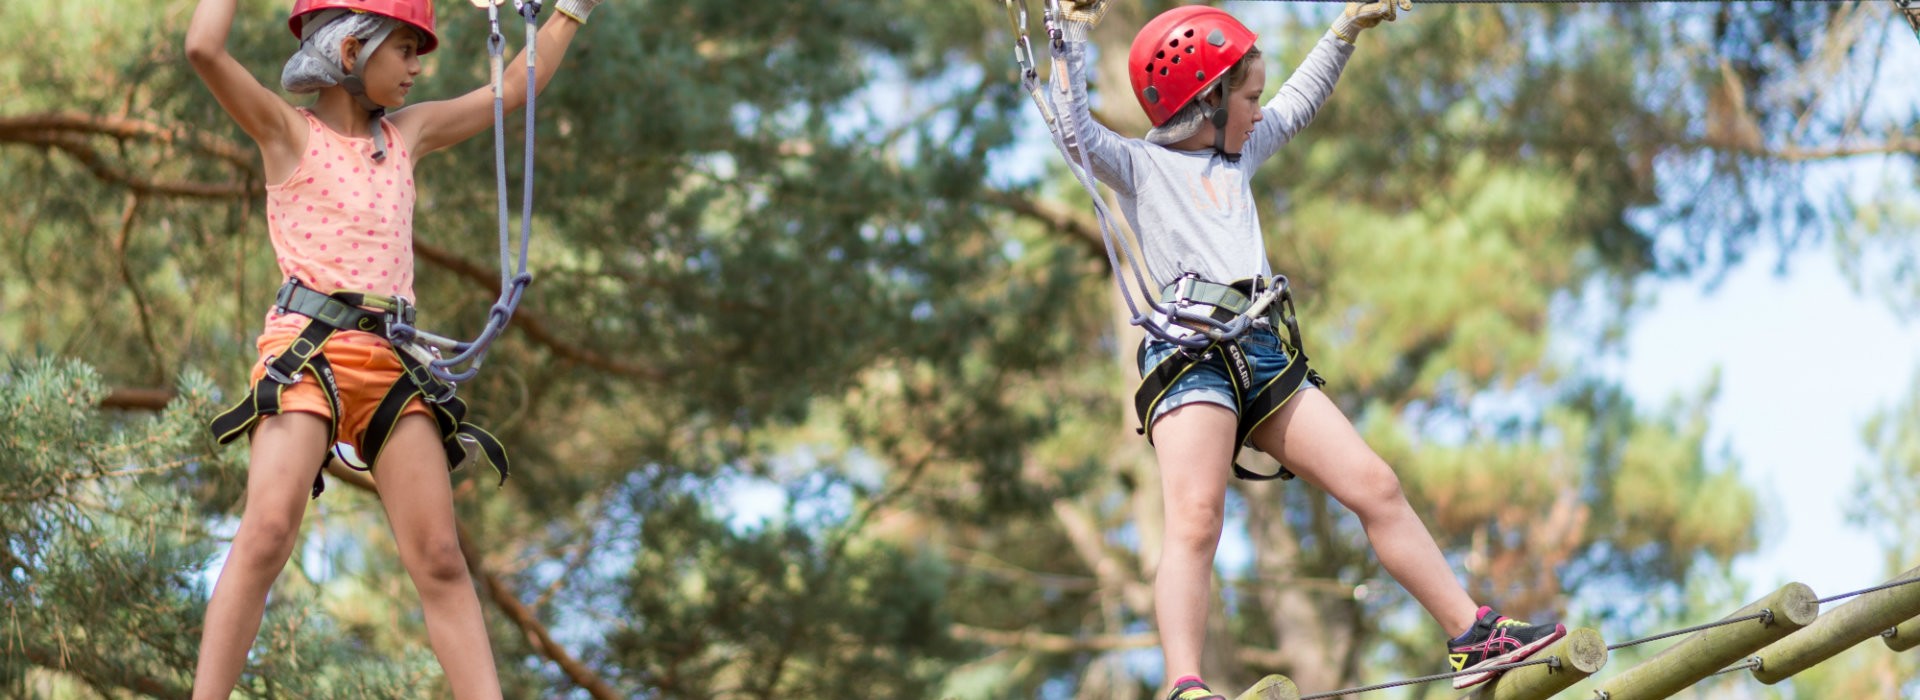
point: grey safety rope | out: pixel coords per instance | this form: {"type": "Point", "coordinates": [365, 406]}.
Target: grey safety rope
{"type": "Point", "coordinates": [1123, 254]}
{"type": "Point", "coordinates": [514, 277]}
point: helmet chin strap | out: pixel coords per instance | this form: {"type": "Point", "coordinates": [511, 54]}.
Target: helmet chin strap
{"type": "Point", "coordinates": [354, 84]}
{"type": "Point", "coordinates": [1219, 119]}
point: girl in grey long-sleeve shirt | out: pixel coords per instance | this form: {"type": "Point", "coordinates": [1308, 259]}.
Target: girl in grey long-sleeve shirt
{"type": "Point", "coordinates": [1186, 189]}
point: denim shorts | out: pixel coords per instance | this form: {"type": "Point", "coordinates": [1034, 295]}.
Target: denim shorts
{"type": "Point", "coordinates": [1207, 382]}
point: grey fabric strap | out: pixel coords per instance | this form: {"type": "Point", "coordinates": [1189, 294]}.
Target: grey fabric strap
{"type": "Point", "coordinates": [350, 81]}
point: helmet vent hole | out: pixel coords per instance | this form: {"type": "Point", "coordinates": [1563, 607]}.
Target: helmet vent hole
{"type": "Point", "coordinates": [1189, 48]}
{"type": "Point", "coordinates": [1189, 34]}
{"type": "Point", "coordinates": [1162, 54]}
{"type": "Point", "coordinates": [1163, 71]}
{"type": "Point", "coordinates": [1176, 60]}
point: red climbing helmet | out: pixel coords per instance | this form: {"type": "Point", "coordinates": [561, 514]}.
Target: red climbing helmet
{"type": "Point", "coordinates": [1180, 54]}
{"type": "Point", "coordinates": [414, 13]}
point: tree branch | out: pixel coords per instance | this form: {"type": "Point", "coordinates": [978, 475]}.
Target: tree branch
{"type": "Point", "coordinates": [1047, 642]}
{"type": "Point", "coordinates": [1089, 542]}
{"type": "Point", "coordinates": [23, 127]}
{"type": "Point", "coordinates": [529, 624]}
{"type": "Point", "coordinates": [138, 399]}
{"type": "Point", "coordinates": [1059, 217]}
{"type": "Point", "coordinates": [47, 658]}
{"type": "Point", "coordinates": [1050, 643]}
{"type": "Point", "coordinates": [97, 164]}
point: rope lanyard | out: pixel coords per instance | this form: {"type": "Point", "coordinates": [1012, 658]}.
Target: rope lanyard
{"type": "Point", "coordinates": [1123, 254]}
{"type": "Point", "coordinates": [513, 274]}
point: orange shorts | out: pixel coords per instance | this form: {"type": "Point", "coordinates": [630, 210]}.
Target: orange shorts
{"type": "Point", "coordinates": [364, 367]}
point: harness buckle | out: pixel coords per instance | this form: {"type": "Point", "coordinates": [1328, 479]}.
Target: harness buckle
{"type": "Point", "coordinates": [1183, 294]}
{"type": "Point", "coordinates": [402, 311]}
{"type": "Point", "coordinates": [279, 377]}
{"type": "Point", "coordinates": [283, 299]}
{"type": "Point", "coordinates": [431, 388]}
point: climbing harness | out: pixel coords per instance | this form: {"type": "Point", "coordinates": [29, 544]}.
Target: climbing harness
{"type": "Point", "coordinates": [429, 373]}
{"type": "Point", "coordinates": [1257, 402]}
{"type": "Point", "coordinates": [327, 315]}
{"type": "Point", "coordinates": [514, 277]}
{"type": "Point", "coordinates": [1174, 323]}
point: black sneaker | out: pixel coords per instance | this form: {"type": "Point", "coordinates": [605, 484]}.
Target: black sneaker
{"type": "Point", "coordinates": [1193, 689]}
{"type": "Point", "coordinates": [1496, 640]}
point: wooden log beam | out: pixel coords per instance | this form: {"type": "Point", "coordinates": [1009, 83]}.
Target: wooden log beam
{"type": "Point", "coordinates": [1275, 687]}
{"type": "Point", "coordinates": [1852, 623]}
{"type": "Point", "coordinates": [1581, 654]}
{"type": "Point", "coordinates": [1700, 655]}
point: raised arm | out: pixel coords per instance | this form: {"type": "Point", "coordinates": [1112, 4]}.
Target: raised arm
{"type": "Point", "coordinates": [260, 112]}
{"type": "Point", "coordinates": [1109, 152]}
{"type": "Point", "coordinates": [1299, 99]}
{"type": "Point", "coordinates": [431, 126]}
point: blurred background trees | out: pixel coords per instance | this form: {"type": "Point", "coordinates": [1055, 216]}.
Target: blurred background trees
{"type": "Point", "coordinates": [820, 388]}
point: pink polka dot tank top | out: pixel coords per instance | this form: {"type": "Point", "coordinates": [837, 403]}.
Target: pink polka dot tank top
{"type": "Point", "coordinates": [342, 221]}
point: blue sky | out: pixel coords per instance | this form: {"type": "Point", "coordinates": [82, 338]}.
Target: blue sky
{"type": "Point", "coordinates": [1803, 361]}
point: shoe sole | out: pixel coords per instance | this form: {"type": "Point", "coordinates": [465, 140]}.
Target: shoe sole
{"type": "Point", "coordinates": [1271, 688]}
{"type": "Point", "coordinates": [1471, 680]}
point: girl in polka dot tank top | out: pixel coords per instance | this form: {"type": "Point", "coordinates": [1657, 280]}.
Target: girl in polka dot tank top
{"type": "Point", "coordinates": [340, 215]}
{"type": "Point", "coordinates": [343, 221]}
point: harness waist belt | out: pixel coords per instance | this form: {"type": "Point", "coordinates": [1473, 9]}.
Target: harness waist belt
{"type": "Point", "coordinates": [1257, 403]}
{"type": "Point", "coordinates": [343, 311]}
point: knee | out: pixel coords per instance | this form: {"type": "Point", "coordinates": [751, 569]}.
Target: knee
{"type": "Point", "coordinates": [439, 562]}
{"type": "Point", "coordinates": [1194, 527]}
{"type": "Point", "coordinates": [1378, 492]}
{"type": "Point", "coordinates": [264, 542]}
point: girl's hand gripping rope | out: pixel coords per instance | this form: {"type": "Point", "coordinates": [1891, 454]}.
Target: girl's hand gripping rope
{"type": "Point", "coordinates": [1367, 15]}
{"type": "Point", "coordinates": [1087, 12]}
{"type": "Point", "coordinates": [577, 10]}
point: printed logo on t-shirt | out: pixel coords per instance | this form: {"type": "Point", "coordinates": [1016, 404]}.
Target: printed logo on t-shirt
{"type": "Point", "coordinates": [1217, 189]}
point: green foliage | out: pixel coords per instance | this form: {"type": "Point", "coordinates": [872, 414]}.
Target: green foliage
{"type": "Point", "coordinates": [778, 248]}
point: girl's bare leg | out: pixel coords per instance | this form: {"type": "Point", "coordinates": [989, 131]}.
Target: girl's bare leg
{"type": "Point", "coordinates": [1194, 444]}
{"type": "Point", "coordinates": [1316, 441]}
{"type": "Point", "coordinates": [418, 497]}
{"type": "Point", "coordinates": [286, 453]}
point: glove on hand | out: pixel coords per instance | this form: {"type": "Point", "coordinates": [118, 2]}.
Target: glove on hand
{"type": "Point", "coordinates": [577, 9]}
{"type": "Point", "coordinates": [1086, 12]}
{"type": "Point", "coordinates": [1365, 16]}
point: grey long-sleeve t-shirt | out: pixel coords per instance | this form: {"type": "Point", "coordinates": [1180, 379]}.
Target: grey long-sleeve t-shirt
{"type": "Point", "coordinates": [1194, 209]}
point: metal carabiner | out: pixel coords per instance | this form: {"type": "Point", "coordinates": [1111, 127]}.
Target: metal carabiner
{"type": "Point", "coordinates": [1022, 45]}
